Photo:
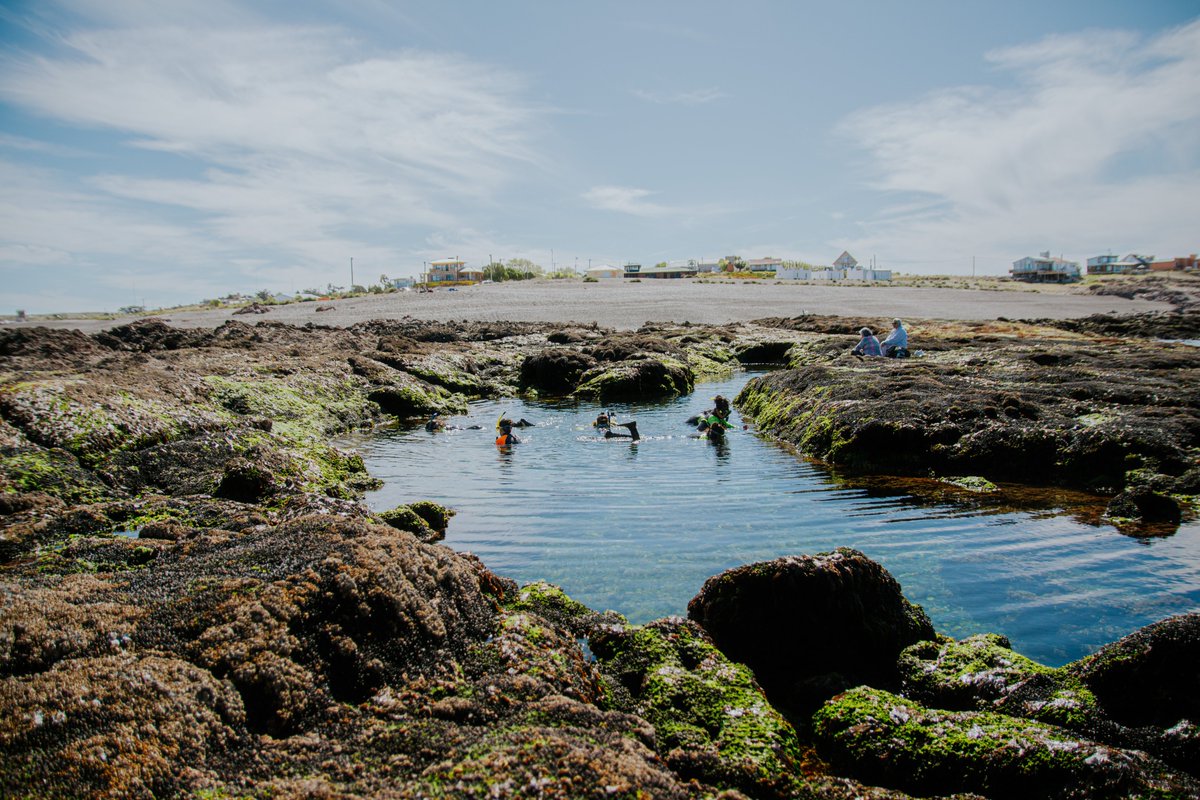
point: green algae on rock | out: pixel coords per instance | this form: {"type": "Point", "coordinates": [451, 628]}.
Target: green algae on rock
{"type": "Point", "coordinates": [882, 738]}
{"type": "Point", "coordinates": [711, 719]}
{"type": "Point", "coordinates": [1030, 406]}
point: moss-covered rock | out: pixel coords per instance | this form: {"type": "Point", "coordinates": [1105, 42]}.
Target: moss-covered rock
{"type": "Point", "coordinates": [551, 602]}
{"type": "Point", "coordinates": [424, 519]}
{"type": "Point", "coordinates": [982, 672]}
{"type": "Point", "coordinates": [711, 719]}
{"type": "Point", "coordinates": [636, 379]}
{"type": "Point", "coordinates": [1030, 409]}
{"type": "Point", "coordinates": [882, 738]}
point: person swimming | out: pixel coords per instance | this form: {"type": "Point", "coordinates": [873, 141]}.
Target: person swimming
{"type": "Point", "coordinates": [631, 426]}
{"type": "Point", "coordinates": [435, 424]}
{"type": "Point", "coordinates": [715, 422]}
{"type": "Point", "coordinates": [506, 436]}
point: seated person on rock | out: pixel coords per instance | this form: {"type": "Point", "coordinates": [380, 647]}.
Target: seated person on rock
{"type": "Point", "coordinates": [506, 436]}
{"type": "Point", "coordinates": [896, 344]}
{"type": "Point", "coordinates": [868, 345]}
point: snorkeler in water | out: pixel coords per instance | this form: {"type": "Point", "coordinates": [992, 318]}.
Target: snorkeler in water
{"type": "Point", "coordinates": [506, 436]}
{"type": "Point", "coordinates": [631, 426]}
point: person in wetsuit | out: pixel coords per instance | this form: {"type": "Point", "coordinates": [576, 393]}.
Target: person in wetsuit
{"type": "Point", "coordinates": [630, 426]}
{"type": "Point", "coordinates": [506, 436]}
{"type": "Point", "coordinates": [714, 423]}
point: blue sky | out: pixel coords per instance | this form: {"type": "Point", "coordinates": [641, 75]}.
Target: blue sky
{"type": "Point", "coordinates": [166, 152]}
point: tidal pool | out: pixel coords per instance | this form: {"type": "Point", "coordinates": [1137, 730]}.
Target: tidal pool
{"type": "Point", "coordinates": [637, 528]}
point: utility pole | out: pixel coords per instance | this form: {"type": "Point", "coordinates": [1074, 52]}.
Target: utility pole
{"type": "Point", "coordinates": [972, 266]}
{"type": "Point", "coordinates": [351, 273]}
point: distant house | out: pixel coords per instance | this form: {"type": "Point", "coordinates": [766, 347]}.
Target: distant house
{"type": "Point", "coordinates": [1111, 265]}
{"type": "Point", "coordinates": [764, 264]}
{"type": "Point", "coordinates": [1181, 263]}
{"type": "Point", "coordinates": [1045, 269]}
{"type": "Point", "coordinates": [826, 274]}
{"type": "Point", "coordinates": [470, 274]}
{"type": "Point", "coordinates": [605, 272]}
{"type": "Point", "coordinates": [282, 298]}
{"type": "Point", "coordinates": [845, 261]}
{"type": "Point", "coordinates": [402, 283]}
{"type": "Point", "coordinates": [707, 266]}
{"type": "Point", "coordinates": [446, 269]}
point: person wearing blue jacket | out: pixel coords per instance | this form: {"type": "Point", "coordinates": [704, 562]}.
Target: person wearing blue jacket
{"type": "Point", "coordinates": [896, 341]}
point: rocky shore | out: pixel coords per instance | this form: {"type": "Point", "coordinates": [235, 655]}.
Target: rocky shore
{"type": "Point", "coordinates": [196, 603]}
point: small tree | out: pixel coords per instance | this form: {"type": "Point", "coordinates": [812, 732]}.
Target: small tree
{"type": "Point", "coordinates": [263, 294]}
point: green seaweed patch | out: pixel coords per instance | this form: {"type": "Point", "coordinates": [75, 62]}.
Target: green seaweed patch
{"type": "Point", "coordinates": [879, 737]}
{"type": "Point", "coordinates": [405, 518]}
{"type": "Point", "coordinates": [54, 472]}
{"type": "Point", "coordinates": [552, 603]}
{"type": "Point", "coordinates": [96, 554]}
{"type": "Point", "coordinates": [437, 516]}
{"type": "Point", "coordinates": [982, 672]}
{"type": "Point", "coordinates": [710, 716]}
{"type": "Point", "coordinates": [972, 483]}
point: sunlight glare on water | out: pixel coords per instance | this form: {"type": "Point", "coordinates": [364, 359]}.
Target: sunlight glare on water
{"type": "Point", "coordinates": [637, 528]}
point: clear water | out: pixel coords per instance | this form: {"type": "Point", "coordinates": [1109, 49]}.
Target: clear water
{"type": "Point", "coordinates": [639, 527]}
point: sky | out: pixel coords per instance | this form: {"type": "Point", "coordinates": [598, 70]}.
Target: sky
{"type": "Point", "coordinates": [162, 152]}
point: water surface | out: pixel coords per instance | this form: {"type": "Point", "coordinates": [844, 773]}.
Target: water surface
{"type": "Point", "coordinates": [639, 527]}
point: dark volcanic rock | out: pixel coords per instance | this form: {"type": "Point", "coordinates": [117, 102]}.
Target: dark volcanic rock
{"type": "Point", "coordinates": [1082, 414]}
{"type": "Point", "coordinates": [555, 370]}
{"type": "Point", "coordinates": [637, 379]}
{"type": "Point", "coordinates": [811, 626]}
{"type": "Point", "coordinates": [1141, 503]}
{"type": "Point", "coordinates": [115, 727]}
{"type": "Point", "coordinates": [152, 334]}
{"type": "Point", "coordinates": [1151, 677]}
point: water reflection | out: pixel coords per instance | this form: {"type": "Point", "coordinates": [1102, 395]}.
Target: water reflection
{"type": "Point", "coordinates": [638, 526]}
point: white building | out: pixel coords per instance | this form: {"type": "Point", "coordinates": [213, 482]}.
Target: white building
{"type": "Point", "coordinates": [605, 272]}
{"type": "Point", "coordinates": [868, 274]}
{"type": "Point", "coordinates": [793, 274]}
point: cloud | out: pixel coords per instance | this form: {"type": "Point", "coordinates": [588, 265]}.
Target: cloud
{"type": "Point", "coordinates": [1094, 145]}
{"type": "Point", "coordinates": [695, 97]}
{"type": "Point", "coordinates": [626, 200]}
{"type": "Point", "coordinates": [283, 145]}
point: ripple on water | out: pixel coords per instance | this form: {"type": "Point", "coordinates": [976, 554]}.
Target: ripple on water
{"type": "Point", "coordinates": [639, 527]}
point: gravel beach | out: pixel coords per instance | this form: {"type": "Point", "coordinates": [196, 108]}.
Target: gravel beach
{"type": "Point", "coordinates": [627, 306]}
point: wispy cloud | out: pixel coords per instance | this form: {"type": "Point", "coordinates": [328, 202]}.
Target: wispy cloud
{"type": "Point", "coordinates": [1096, 143]}
{"type": "Point", "coordinates": [695, 97]}
{"type": "Point", "coordinates": [626, 200]}
{"type": "Point", "coordinates": [292, 147]}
